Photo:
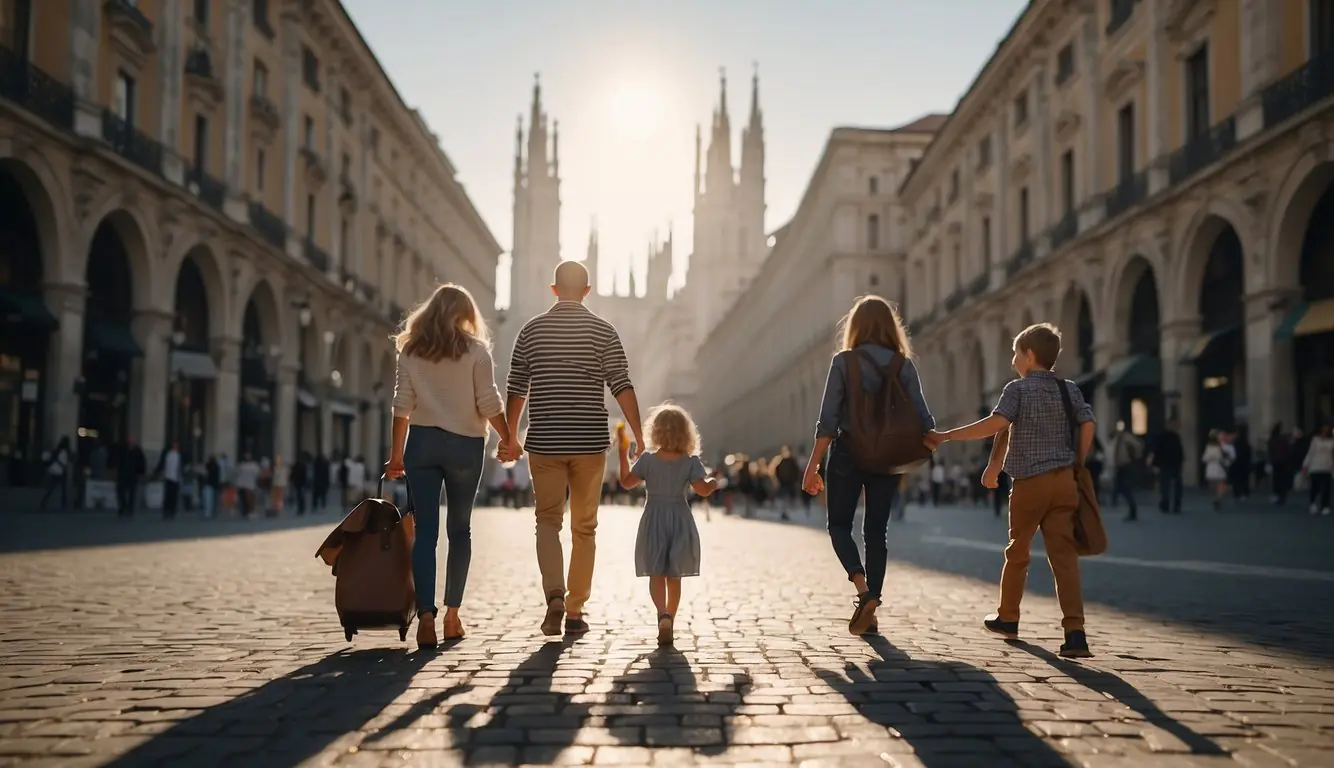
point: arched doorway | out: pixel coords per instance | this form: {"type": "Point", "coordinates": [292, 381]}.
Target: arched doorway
{"type": "Point", "coordinates": [109, 347]}
{"type": "Point", "coordinates": [1077, 361]}
{"type": "Point", "coordinates": [1313, 329]}
{"type": "Point", "coordinates": [260, 353]}
{"type": "Point", "coordinates": [192, 368]}
{"type": "Point", "coordinates": [308, 385]}
{"type": "Point", "coordinates": [1219, 354]}
{"type": "Point", "coordinates": [25, 328]}
{"type": "Point", "coordinates": [1134, 382]}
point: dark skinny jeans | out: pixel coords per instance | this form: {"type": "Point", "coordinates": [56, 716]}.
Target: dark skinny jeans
{"type": "Point", "coordinates": [432, 458]}
{"type": "Point", "coordinates": [845, 484]}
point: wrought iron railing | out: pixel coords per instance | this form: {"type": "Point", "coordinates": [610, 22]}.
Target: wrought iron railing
{"type": "Point", "coordinates": [1065, 229]}
{"type": "Point", "coordinates": [261, 18]}
{"type": "Point", "coordinates": [129, 11]}
{"type": "Point", "coordinates": [1127, 193]}
{"type": "Point", "coordinates": [36, 91]}
{"type": "Point", "coordinates": [199, 63]}
{"type": "Point", "coordinates": [1310, 83]}
{"type": "Point", "coordinates": [1200, 152]}
{"type": "Point", "coordinates": [1122, 10]}
{"type": "Point", "coordinates": [1021, 258]}
{"type": "Point", "coordinates": [212, 191]}
{"type": "Point", "coordinates": [955, 300]}
{"type": "Point", "coordinates": [128, 142]}
{"type": "Point", "coordinates": [979, 285]}
{"type": "Point", "coordinates": [315, 255]}
{"type": "Point", "coordinates": [269, 225]}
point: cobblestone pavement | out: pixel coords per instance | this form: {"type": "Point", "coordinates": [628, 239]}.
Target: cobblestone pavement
{"type": "Point", "coordinates": [225, 650]}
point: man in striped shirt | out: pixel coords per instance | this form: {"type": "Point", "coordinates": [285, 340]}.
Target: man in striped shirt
{"type": "Point", "coordinates": [562, 360]}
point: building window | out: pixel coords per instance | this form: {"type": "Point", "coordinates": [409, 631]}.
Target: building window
{"type": "Point", "coordinates": [310, 217]}
{"type": "Point", "coordinates": [259, 170]}
{"type": "Point", "coordinates": [954, 185]}
{"type": "Point", "coordinates": [310, 69]}
{"type": "Point", "coordinates": [1125, 143]}
{"type": "Point", "coordinates": [343, 244]}
{"type": "Point", "coordinates": [1065, 64]}
{"type": "Point", "coordinates": [345, 105]}
{"type": "Point", "coordinates": [984, 153]}
{"type": "Point", "coordinates": [201, 14]}
{"type": "Point", "coordinates": [1197, 93]}
{"type": "Point", "coordinates": [873, 185]}
{"type": "Point", "coordinates": [375, 139]}
{"type": "Point", "coordinates": [308, 133]}
{"type": "Point", "coordinates": [260, 86]}
{"type": "Point", "coordinates": [873, 232]}
{"type": "Point", "coordinates": [1068, 181]}
{"type": "Point", "coordinates": [1023, 216]}
{"type": "Point", "coordinates": [123, 103]}
{"type": "Point", "coordinates": [986, 239]}
{"type": "Point", "coordinates": [1118, 14]}
{"type": "Point", "coordinates": [1321, 24]}
{"type": "Point", "coordinates": [1021, 109]}
{"type": "Point", "coordinates": [259, 14]}
{"type": "Point", "coordinates": [201, 142]}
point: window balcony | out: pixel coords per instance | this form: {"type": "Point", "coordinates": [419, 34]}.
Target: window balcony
{"type": "Point", "coordinates": [269, 225]}
{"type": "Point", "coordinates": [1065, 229]}
{"type": "Point", "coordinates": [1202, 151]}
{"type": "Point", "coordinates": [35, 90]}
{"type": "Point", "coordinates": [955, 300]}
{"type": "Point", "coordinates": [316, 173]}
{"type": "Point", "coordinates": [1310, 83]}
{"type": "Point", "coordinates": [201, 76]}
{"type": "Point", "coordinates": [1128, 193]}
{"type": "Point", "coordinates": [347, 196]}
{"type": "Point", "coordinates": [131, 31]}
{"type": "Point", "coordinates": [212, 191]}
{"type": "Point", "coordinates": [979, 285]}
{"type": "Point", "coordinates": [265, 112]}
{"type": "Point", "coordinates": [1121, 11]}
{"type": "Point", "coordinates": [315, 255]}
{"type": "Point", "coordinates": [130, 144]}
{"type": "Point", "coordinates": [1022, 257]}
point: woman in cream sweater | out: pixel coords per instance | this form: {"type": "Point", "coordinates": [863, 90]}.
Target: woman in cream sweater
{"type": "Point", "coordinates": [444, 395]}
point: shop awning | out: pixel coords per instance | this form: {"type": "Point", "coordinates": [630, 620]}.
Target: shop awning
{"type": "Point", "coordinates": [1135, 371]}
{"type": "Point", "coordinates": [1209, 341]}
{"type": "Point", "coordinates": [1089, 378]}
{"type": "Point", "coordinates": [192, 365]}
{"type": "Point", "coordinates": [1306, 319]}
{"type": "Point", "coordinates": [305, 399]}
{"type": "Point", "coordinates": [341, 408]}
{"type": "Point", "coordinates": [18, 307]}
{"type": "Point", "coordinates": [112, 339]}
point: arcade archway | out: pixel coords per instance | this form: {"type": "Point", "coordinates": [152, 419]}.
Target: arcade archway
{"type": "Point", "coordinates": [1219, 355]}
{"type": "Point", "coordinates": [193, 371]}
{"type": "Point", "coordinates": [1310, 325]}
{"type": "Point", "coordinates": [1134, 382]}
{"type": "Point", "coordinates": [109, 346]}
{"type": "Point", "coordinates": [261, 349]}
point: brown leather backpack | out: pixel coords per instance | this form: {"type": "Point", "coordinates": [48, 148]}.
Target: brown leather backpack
{"type": "Point", "coordinates": [886, 431]}
{"type": "Point", "coordinates": [371, 555]}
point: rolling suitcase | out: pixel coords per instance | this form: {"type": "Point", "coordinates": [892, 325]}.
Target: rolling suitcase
{"type": "Point", "coordinates": [371, 555]}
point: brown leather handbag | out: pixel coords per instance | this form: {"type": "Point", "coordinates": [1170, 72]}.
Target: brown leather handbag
{"type": "Point", "coordinates": [1090, 536]}
{"type": "Point", "coordinates": [371, 555]}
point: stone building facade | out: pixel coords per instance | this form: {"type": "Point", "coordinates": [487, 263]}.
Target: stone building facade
{"type": "Point", "coordinates": [1155, 177]}
{"type": "Point", "coordinates": [216, 212]}
{"type": "Point", "coordinates": [762, 368]}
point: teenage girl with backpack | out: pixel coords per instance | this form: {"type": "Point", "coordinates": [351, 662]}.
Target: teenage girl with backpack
{"type": "Point", "coordinates": [871, 328]}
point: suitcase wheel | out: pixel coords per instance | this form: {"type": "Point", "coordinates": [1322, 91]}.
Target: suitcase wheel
{"type": "Point", "coordinates": [403, 633]}
{"type": "Point", "coordinates": [348, 633]}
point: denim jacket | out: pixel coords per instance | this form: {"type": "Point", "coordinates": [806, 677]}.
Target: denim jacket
{"type": "Point", "coordinates": [834, 416]}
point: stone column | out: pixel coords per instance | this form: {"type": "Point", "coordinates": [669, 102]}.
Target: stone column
{"type": "Point", "coordinates": [1271, 386]}
{"type": "Point", "coordinates": [1092, 123]}
{"type": "Point", "coordinates": [334, 162]}
{"type": "Point", "coordinates": [226, 396]}
{"type": "Point", "coordinates": [362, 222]}
{"type": "Point", "coordinates": [1155, 111]}
{"type": "Point", "coordinates": [171, 65]}
{"type": "Point", "coordinates": [150, 384]}
{"type": "Point", "coordinates": [85, 37]}
{"type": "Point", "coordinates": [64, 360]}
{"type": "Point", "coordinates": [234, 143]}
{"type": "Point", "coordinates": [284, 411]}
{"type": "Point", "coordinates": [1042, 210]}
{"type": "Point", "coordinates": [291, 56]}
{"type": "Point", "coordinates": [1179, 383]}
{"type": "Point", "coordinates": [1000, 208]}
{"type": "Point", "coordinates": [1104, 405]}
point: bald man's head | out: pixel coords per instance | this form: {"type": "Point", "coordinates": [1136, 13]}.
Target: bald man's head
{"type": "Point", "coordinates": [570, 281]}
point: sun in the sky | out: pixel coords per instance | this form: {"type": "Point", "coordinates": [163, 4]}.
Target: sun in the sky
{"type": "Point", "coordinates": [638, 110]}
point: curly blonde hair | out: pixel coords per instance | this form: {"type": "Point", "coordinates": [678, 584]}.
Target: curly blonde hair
{"type": "Point", "coordinates": [445, 325]}
{"type": "Point", "coordinates": [671, 429]}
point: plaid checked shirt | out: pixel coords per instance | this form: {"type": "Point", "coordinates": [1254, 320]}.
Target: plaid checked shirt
{"type": "Point", "coordinates": [1040, 438]}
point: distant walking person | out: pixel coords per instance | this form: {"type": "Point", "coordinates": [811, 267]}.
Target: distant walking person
{"type": "Point", "coordinates": [59, 468]}
{"type": "Point", "coordinates": [1216, 461]}
{"type": "Point", "coordinates": [319, 483]}
{"type": "Point", "coordinates": [1126, 452]}
{"type": "Point", "coordinates": [1319, 467]}
{"type": "Point", "coordinates": [300, 481]}
{"type": "Point", "coordinates": [131, 465]}
{"type": "Point", "coordinates": [278, 481]}
{"type": "Point", "coordinates": [1167, 458]}
{"type": "Point", "coordinates": [169, 470]}
{"type": "Point", "coordinates": [564, 360]}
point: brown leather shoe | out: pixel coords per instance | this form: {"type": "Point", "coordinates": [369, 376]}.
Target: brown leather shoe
{"type": "Point", "coordinates": [863, 616]}
{"type": "Point", "coordinates": [426, 632]}
{"type": "Point", "coordinates": [453, 630]}
{"type": "Point", "coordinates": [555, 612]}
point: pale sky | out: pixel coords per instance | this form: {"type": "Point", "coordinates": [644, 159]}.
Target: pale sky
{"type": "Point", "coordinates": [629, 80]}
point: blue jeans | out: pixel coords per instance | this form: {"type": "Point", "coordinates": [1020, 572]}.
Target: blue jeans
{"type": "Point", "coordinates": [845, 484]}
{"type": "Point", "coordinates": [434, 457]}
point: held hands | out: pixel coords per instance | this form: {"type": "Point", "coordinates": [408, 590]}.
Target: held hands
{"type": "Point", "coordinates": [933, 439]}
{"type": "Point", "coordinates": [811, 482]}
{"type": "Point", "coordinates": [508, 451]}
{"type": "Point", "coordinates": [393, 469]}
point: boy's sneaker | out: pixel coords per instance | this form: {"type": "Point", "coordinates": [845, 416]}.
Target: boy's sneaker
{"type": "Point", "coordinates": [1076, 645]}
{"type": "Point", "coordinates": [1006, 629]}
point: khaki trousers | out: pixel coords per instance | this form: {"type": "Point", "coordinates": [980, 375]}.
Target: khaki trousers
{"type": "Point", "coordinates": [579, 476]}
{"type": "Point", "coordinates": [1046, 502]}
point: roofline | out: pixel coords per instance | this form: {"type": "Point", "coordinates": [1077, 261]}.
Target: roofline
{"type": "Point", "coordinates": [990, 66]}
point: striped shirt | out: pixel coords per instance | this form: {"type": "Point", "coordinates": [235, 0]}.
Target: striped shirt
{"type": "Point", "coordinates": [562, 360]}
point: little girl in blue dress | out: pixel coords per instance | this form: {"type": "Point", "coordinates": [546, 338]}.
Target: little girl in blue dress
{"type": "Point", "coordinates": [667, 547]}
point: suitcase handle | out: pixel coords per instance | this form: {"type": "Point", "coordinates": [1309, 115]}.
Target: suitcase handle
{"type": "Point", "coordinates": [409, 507]}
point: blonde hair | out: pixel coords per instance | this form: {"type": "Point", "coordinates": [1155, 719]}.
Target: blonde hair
{"type": "Point", "coordinates": [445, 325]}
{"type": "Point", "coordinates": [874, 320]}
{"type": "Point", "coordinates": [671, 429]}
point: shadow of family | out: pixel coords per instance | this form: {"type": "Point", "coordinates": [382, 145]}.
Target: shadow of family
{"type": "Point", "coordinates": [947, 713]}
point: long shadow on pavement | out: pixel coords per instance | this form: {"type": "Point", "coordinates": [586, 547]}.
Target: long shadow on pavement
{"type": "Point", "coordinates": [953, 714]}
{"type": "Point", "coordinates": [287, 720]}
{"type": "Point", "coordinates": [33, 533]}
{"type": "Point", "coordinates": [1109, 684]}
{"type": "Point", "coordinates": [665, 699]}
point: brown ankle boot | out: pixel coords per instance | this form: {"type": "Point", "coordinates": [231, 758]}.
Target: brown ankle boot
{"type": "Point", "coordinates": [426, 632]}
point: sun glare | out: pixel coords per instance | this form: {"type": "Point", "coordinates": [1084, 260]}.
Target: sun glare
{"type": "Point", "coordinates": [638, 111]}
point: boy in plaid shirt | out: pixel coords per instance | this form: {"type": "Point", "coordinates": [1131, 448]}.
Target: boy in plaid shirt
{"type": "Point", "coordinates": [1034, 447]}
